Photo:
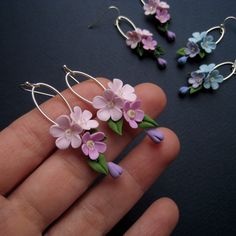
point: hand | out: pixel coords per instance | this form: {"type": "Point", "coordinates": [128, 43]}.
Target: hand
{"type": "Point", "coordinates": [46, 191]}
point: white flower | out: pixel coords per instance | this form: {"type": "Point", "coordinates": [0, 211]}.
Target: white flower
{"type": "Point", "coordinates": [125, 92]}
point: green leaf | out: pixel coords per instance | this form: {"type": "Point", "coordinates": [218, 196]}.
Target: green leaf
{"type": "Point", "coordinates": [181, 52]}
{"type": "Point", "coordinates": [148, 122]}
{"type": "Point", "coordinates": [159, 51]}
{"type": "Point", "coordinates": [99, 165]}
{"type": "Point", "coordinates": [202, 54]}
{"type": "Point", "coordinates": [194, 90]}
{"type": "Point", "coordinates": [163, 27]}
{"type": "Point", "coordinates": [140, 50]}
{"type": "Point", "coordinates": [116, 126]}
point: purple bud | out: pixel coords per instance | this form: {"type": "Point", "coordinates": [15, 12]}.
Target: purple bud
{"type": "Point", "coordinates": [114, 169]}
{"type": "Point", "coordinates": [155, 135]}
{"type": "Point", "coordinates": [182, 60]}
{"type": "Point", "coordinates": [183, 90]}
{"type": "Point", "coordinates": [161, 62]}
{"type": "Point", "coordinates": [171, 36]}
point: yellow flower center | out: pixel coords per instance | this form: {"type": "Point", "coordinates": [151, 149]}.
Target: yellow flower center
{"type": "Point", "coordinates": [131, 113]}
{"type": "Point", "coordinates": [90, 144]}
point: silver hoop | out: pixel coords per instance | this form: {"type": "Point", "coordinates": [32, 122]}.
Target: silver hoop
{"type": "Point", "coordinates": [233, 64]}
{"type": "Point", "coordinates": [221, 29]}
{"type": "Point", "coordinates": [69, 74]}
{"type": "Point", "coordinates": [27, 86]}
{"type": "Point", "coordinates": [117, 23]}
{"type": "Point", "coordinates": [142, 1]}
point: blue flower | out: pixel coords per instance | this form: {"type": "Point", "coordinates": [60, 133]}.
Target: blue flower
{"type": "Point", "coordinates": [212, 80]}
{"type": "Point", "coordinates": [182, 60]}
{"type": "Point", "coordinates": [206, 68]}
{"type": "Point", "coordinates": [183, 90]}
{"type": "Point", "coordinates": [197, 37]}
{"type": "Point", "coordinates": [208, 44]}
{"type": "Point", "coordinates": [196, 79]}
{"type": "Point", "coordinates": [192, 49]}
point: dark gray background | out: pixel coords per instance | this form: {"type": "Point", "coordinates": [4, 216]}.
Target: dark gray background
{"type": "Point", "coordinates": [38, 37]}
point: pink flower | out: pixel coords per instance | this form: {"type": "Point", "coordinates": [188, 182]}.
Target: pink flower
{"type": "Point", "coordinates": [133, 113]}
{"type": "Point", "coordinates": [144, 33]}
{"type": "Point", "coordinates": [150, 7]}
{"type": "Point", "coordinates": [163, 5]}
{"type": "Point", "coordinates": [93, 145]}
{"type": "Point", "coordinates": [162, 15]}
{"type": "Point", "coordinates": [83, 119]}
{"type": "Point", "coordinates": [125, 92]}
{"type": "Point", "coordinates": [149, 43]}
{"type": "Point", "coordinates": [110, 106]}
{"type": "Point", "coordinates": [133, 38]}
{"type": "Point", "coordinates": [66, 132]}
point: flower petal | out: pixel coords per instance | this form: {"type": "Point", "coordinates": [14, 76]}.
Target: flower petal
{"type": "Point", "coordinates": [85, 149]}
{"type": "Point", "coordinates": [76, 141]}
{"type": "Point", "coordinates": [103, 114]}
{"type": "Point", "coordinates": [139, 115]}
{"type": "Point", "coordinates": [214, 85]}
{"type": "Point", "coordinates": [93, 154]}
{"type": "Point", "coordinates": [76, 114]}
{"type": "Point", "coordinates": [108, 95]}
{"type": "Point", "coordinates": [56, 131]}
{"type": "Point", "coordinates": [128, 93]}
{"type": "Point", "coordinates": [86, 137]}
{"type": "Point", "coordinates": [133, 124]}
{"type": "Point", "coordinates": [99, 102]}
{"type": "Point", "coordinates": [62, 143]}
{"type": "Point", "coordinates": [98, 136]}
{"type": "Point", "coordinates": [115, 85]}
{"type": "Point", "coordinates": [92, 124]}
{"type": "Point", "coordinates": [63, 121]}
{"type": "Point", "coordinates": [101, 147]}
{"type": "Point", "coordinates": [116, 113]}
{"type": "Point", "coordinates": [135, 105]}
{"type": "Point", "coordinates": [87, 115]}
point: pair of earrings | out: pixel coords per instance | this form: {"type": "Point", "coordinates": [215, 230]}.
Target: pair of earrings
{"type": "Point", "coordinates": [117, 104]}
{"type": "Point", "coordinates": [207, 77]}
{"type": "Point", "coordinates": [141, 41]}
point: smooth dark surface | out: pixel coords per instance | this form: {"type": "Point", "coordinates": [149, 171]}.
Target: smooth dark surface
{"type": "Point", "coordinates": [38, 37]}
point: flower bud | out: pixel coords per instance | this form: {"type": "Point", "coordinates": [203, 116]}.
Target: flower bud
{"type": "Point", "coordinates": [114, 169]}
{"type": "Point", "coordinates": [161, 62]}
{"type": "Point", "coordinates": [182, 60]}
{"type": "Point", "coordinates": [171, 36]}
{"type": "Point", "coordinates": [155, 135]}
{"type": "Point", "coordinates": [183, 90]}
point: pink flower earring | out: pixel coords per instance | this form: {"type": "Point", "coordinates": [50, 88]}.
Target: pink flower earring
{"type": "Point", "coordinates": [140, 41]}
{"type": "Point", "coordinates": [118, 104]}
{"type": "Point", "coordinates": [77, 130]}
{"type": "Point", "coordinates": [159, 10]}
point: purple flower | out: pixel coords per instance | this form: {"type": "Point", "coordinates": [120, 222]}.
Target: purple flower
{"type": "Point", "coordinates": [170, 36]}
{"type": "Point", "coordinates": [93, 145]}
{"type": "Point", "coordinates": [134, 37]}
{"type": "Point", "coordinates": [192, 49]}
{"type": "Point", "coordinates": [162, 5]}
{"type": "Point", "coordinates": [149, 43]}
{"type": "Point", "coordinates": [83, 118]}
{"type": "Point", "coordinates": [125, 92]}
{"type": "Point", "coordinates": [162, 15]}
{"type": "Point", "coordinates": [196, 79]}
{"type": "Point", "coordinates": [156, 135]}
{"type": "Point", "coordinates": [182, 60]}
{"type": "Point", "coordinates": [109, 106]}
{"type": "Point", "coordinates": [150, 7]}
{"type": "Point", "coordinates": [114, 169]}
{"type": "Point", "coordinates": [133, 113]}
{"type": "Point", "coordinates": [183, 90]}
{"type": "Point", "coordinates": [66, 132]}
{"type": "Point", "coordinates": [161, 62]}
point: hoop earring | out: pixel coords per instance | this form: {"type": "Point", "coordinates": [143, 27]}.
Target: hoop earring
{"type": "Point", "coordinates": [77, 130]}
{"type": "Point", "coordinates": [118, 104]}
{"type": "Point", "coordinates": [201, 43]}
{"type": "Point", "coordinates": [139, 40]}
{"type": "Point", "coordinates": [159, 11]}
{"type": "Point", "coordinates": [207, 77]}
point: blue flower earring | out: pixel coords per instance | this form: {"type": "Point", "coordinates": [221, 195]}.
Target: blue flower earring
{"type": "Point", "coordinates": [207, 77]}
{"type": "Point", "coordinates": [201, 43]}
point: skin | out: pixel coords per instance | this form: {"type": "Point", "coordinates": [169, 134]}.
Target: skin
{"type": "Point", "coordinates": [45, 191]}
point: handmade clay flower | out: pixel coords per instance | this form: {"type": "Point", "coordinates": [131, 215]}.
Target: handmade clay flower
{"type": "Point", "coordinates": [150, 7]}
{"type": "Point", "coordinates": [125, 92]}
{"type": "Point", "coordinates": [83, 119]}
{"type": "Point", "coordinates": [197, 37]}
{"type": "Point", "coordinates": [208, 44]}
{"type": "Point", "coordinates": [170, 36]}
{"type": "Point", "coordinates": [149, 43]}
{"type": "Point", "coordinates": [134, 37]}
{"type": "Point", "coordinates": [183, 90]}
{"type": "Point", "coordinates": [206, 68]}
{"type": "Point", "coordinates": [66, 132]}
{"type": "Point", "coordinates": [213, 80]}
{"type": "Point", "coordinates": [114, 169]}
{"type": "Point", "coordinates": [109, 106]}
{"type": "Point", "coordinates": [92, 144]}
{"type": "Point", "coordinates": [132, 113]}
{"type": "Point", "coordinates": [162, 15]}
{"type": "Point", "coordinates": [156, 135]}
{"type": "Point", "coordinates": [162, 5]}
{"type": "Point", "coordinates": [161, 62]}
{"type": "Point", "coordinates": [192, 49]}
{"type": "Point", "coordinates": [196, 79]}
{"type": "Point", "coordinates": [182, 60]}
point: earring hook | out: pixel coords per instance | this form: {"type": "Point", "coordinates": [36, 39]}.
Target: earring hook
{"type": "Point", "coordinates": [228, 18]}
{"type": "Point", "coordinates": [27, 86]}
{"type": "Point", "coordinates": [233, 64]}
{"type": "Point", "coordinates": [142, 1]}
{"type": "Point", "coordinates": [69, 74]}
{"type": "Point", "coordinates": [102, 16]}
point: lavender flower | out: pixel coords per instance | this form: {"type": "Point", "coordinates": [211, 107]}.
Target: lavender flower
{"type": "Point", "coordinates": [170, 36]}
{"type": "Point", "coordinates": [161, 62]}
{"type": "Point", "coordinates": [149, 43]}
{"type": "Point", "coordinates": [150, 7]}
{"type": "Point", "coordinates": [162, 15]}
{"type": "Point", "coordinates": [192, 49]}
{"type": "Point", "coordinates": [114, 169]}
{"type": "Point", "coordinates": [156, 135]}
{"type": "Point", "coordinates": [182, 60]}
{"type": "Point", "coordinates": [183, 90]}
{"type": "Point", "coordinates": [196, 79]}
